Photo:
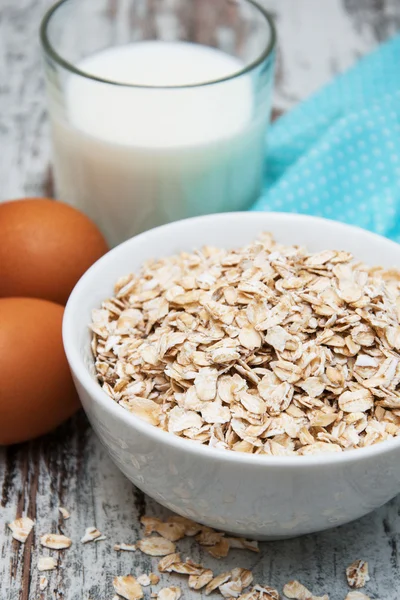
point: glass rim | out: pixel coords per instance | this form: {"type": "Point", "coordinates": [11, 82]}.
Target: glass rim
{"type": "Point", "coordinates": [56, 57]}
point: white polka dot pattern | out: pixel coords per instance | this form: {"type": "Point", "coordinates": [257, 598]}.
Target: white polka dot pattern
{"type": "Point", "coordinates": [337, 155]}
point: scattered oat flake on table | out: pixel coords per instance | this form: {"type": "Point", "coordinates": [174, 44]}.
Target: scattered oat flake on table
{"type": "Point", "coordinates": [357, 574]}
{"type": "Point", "coordinates": [266, 592]}
{"type": "Point", "coordinates": [46, 563]}
{"type": "Point", "coordinates": [156, 546]}
{"type": "Point", "coordinates": [55, 541]}
{"type": "Point", "coordinates": [125, 547]}
{"type": "Point", "coordinates": [218, 581]}
{"type": "Point", "coordinates": [150, 524]}
{"type": "Point", "coordinates": [356, 595]}
{"type": "Point", "coordinates": [220, 550]}
{"type": "Point", "coordinates": [101, 538]}
{"type": "Point", "coordinates": [43, 583]}
{"type": "Point", "coordinates": [169, 593]}
{"type": "Point", "coordinates": [252, 595]}
{"type": "Point", "coordinates": [91, 534]}
{"type": "Point", "coordinates": [186, 568]}
{"type": "Point", "coordinates": [298, 591]}
{"type": "Point", "coordinates": [259, 592]}
{"type": "Point", "coordinates": [65, 514]}
{"type": "Point", "coordinates": [21, 528]}
{"type": "Point", "coordinates": [171, 531]}
{"type": "Point", "coordinates": [232, 583]}
{"type": "Point", "coordinates": [209, 537]}
{"type": "Point", "coordinates": [128, 587]}
{"type": "Point", "coordinates": [154, 579]}
{"type": "Point", "coordinates": [197, 582]}
{"type": "Point", "coordinates": [241, 543]}
{"type": "Point", "coordinates": [245, 576]}
{"type": "Point", "coordinates": [231, 589]}
{"type": "Point", "coordinates": [191, 527]}
{"type": "Point", "coordinates": [166, 563]}
{"type": "Point", "coordinates": [144, 580]}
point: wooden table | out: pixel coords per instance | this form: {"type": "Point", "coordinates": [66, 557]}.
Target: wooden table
{"type": "Point", "coordinates": [70, 468]}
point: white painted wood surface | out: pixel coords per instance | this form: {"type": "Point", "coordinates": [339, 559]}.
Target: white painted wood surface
{"type": "Point", "coordinates": [317, 38]}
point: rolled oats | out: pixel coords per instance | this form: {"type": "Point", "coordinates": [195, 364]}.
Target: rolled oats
{"type": "Point", "coordinates": [171, 531]}
{"type": "Point", "coordinates": [169, 593]}
{"type": "Point", "coordinates": [21, 528]}
{"type": "Point", "coordinates": [231, 589]}
{"type": "Point", "coordinates": [64, 512]}
{"type": "Point", "coordinates": [197, 582]}
{"type": "Point", "coordinates": [297, 591]}
{"type": "Point", "coordinates": [356, 595]}
{"type": "Point", "coordinates": [55, 541]}
{"type": "Point", "coordinates": [209, 537]}
{"type": "Point", "coordinates": [219, 550]}
{"type": "Point", "coordinates": [267, 349]}
{"type": "Point", "coordinates": [156, 546]}
{"type": "Point", "coordinates": [91, 534]}
{"type": "Point", "coordinates": [150, 524]}
{"type": "Point", "coordinates": [144, 580]}
{"type": "Point", "coordinates": [43, 583]}
{"type": "Point", "coordinates": [186, 568]}
{"type": "Point", "coordinates": [259, 592]}
{"type": "Point", "coordinates": [217, 581]}
{"type": "Point", "coordinates": [125, 547]}
{"type": "Point", "coordinates": [357, 574]}
{"type": "Point", "coordinates": [191, 527]}
{"type": "Point", "coordinates": [128, 587]}
{"type": "Point", "coordinates": [243, 544]}
{"type": "Point", "coordinates": [168, 561]}
{"type": "Point", "coordinates": [46, 563]}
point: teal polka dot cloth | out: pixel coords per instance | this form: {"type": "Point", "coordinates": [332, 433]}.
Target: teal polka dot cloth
{"type": "Point", "coordinates": [337, 155]}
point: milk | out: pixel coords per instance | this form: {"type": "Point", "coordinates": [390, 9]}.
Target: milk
{"type": "Point", "coordinates": [136, 157]}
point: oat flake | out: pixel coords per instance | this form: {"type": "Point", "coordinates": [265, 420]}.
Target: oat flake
{"type": "Point", "coordinates": [55, 541]}
{"type": "Point", "coordinates": [156, 546]}
{"type": "Point", "coordinates": [125, 547]}
{"type": "Point", "coordinates": [144, 580]}
{"type": "Point", "coordinates": [46, 563]}
{"type": "Point", "coordinates": [128, 587]}
{"type": "Point", "coordinates": [21, 528]}
{"type": "Point", "coordinates": [169, 593]}
{"type": "Point", "coordinates": [64, 512]}
{"type": "Point", "coordinates": [357, 574]}
{"type": "Point", "coordinates": [91, 534]}
{"type": "Point", "coordinates": [296, 591]}
{"type": "Point", "coordinates": [43, 583]}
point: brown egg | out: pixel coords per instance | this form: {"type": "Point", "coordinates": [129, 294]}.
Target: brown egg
{"type": "Point", "coordinates": [36, 391]}
{"type": "Point", "coordinates": [45, 247]}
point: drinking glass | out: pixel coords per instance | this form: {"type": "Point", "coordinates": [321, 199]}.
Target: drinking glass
{"type": "Point", "coordinates": [158, 108]}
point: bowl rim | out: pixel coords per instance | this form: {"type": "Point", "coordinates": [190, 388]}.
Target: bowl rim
{"type": "Point", "coordinates": [116, 411]}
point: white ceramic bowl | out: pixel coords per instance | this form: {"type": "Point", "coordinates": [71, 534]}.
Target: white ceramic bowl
{"type": "Point", "coordinates": [258, 496]}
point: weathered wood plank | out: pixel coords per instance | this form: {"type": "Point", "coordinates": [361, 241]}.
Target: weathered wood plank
{"type": "Point", "coordinates": [70, 468]}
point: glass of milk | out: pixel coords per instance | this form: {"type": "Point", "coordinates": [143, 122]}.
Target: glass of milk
{"type": "Point", "coordinates": [158, 108]}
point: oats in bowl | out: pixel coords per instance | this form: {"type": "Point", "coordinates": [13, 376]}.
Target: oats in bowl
{"type": "Point", "coordinates": [267, 349]}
